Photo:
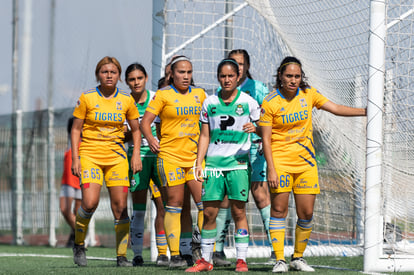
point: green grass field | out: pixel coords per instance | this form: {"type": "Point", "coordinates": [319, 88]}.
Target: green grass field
{"type": "Point", "coordinates": [47, 260]}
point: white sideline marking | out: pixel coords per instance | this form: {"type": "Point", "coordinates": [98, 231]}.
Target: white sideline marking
{"type": "Point", "coordinates": [51, 256]}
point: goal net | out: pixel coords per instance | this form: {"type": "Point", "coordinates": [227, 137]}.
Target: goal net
{"type": "Point", "coordinates": [331, 38]}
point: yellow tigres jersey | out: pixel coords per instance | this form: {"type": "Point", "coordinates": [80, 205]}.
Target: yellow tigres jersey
{"type": "Point", "coordinates": [102, 132]}
{"type": "Point", "coordinates": [291, 121]}
{"type": "Point", "coordinates": [180, 130]}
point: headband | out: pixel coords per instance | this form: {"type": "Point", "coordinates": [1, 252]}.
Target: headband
{"type": "Point", "coordinates": [182, 58]}
{"type": "Point", "coordinates": [288, 63]}
{"type": "Point", "coordinates": [229, 60]}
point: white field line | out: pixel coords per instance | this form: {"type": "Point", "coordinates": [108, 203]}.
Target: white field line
{"type": "Point", "coordinates": [51, 256]}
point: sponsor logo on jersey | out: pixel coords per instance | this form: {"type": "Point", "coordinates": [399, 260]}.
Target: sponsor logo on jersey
{"type": "Point", "coordinates": [262, 111]}
{"type": "Point", "coordinates": [176, 101]}
{"type": "Point", "coordinates": [282, 109]}
{"type": "Point", "coordinates": [119, 105]}
{"type": "Point", "coordinates": [97, 106]}
{"type": "Point", "coordinates": [239, 109]}
{"type": "Point", "coordinates": [243, 192]}
{"type": "Point", "coordinates": [205, 114]}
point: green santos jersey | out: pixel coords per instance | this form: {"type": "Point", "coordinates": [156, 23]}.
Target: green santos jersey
{"type": "Point", "coordinates": [255, 89]}
{"type": "Point", "coordinates": [145, 150]}
{"type": "Point", "coordinates": [229, 145]}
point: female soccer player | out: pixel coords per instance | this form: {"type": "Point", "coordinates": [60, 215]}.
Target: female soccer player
{"type": "Point", "coordinates": [286, 125]}
{"type": "Point", "coordinates": [259, 186]}
{"type": "Point", "coordinates": [225, 143]}
{"type": "Point", "coordinates": [178, 107]}
{"type": "Point", "coordinates": [100, 114]}
{"type": "Point", "coordinates": [136, 78]}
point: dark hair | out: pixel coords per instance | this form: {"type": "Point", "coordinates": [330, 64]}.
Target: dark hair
{"type": "Point", "coordinates": [133, 67]}
{"type": "Point", "coordinates": [69, 125]}
{"type": "Point", "coordinates": [246, 58]}
{"type": "Point", "coordinates": [161, 83]}
{"type": "Point", "coordinates": [228, 61]}
{"type": "Point", "coordinates": [172, 63]}
{"type": "Point", "coordinates": [282, 68]}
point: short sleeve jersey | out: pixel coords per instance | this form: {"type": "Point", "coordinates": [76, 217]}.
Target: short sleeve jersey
{"type": "Point", "coordinates": [67, 177]}
{"type": "Point", "coordinates": [180, 130]}
{"type": "Point", "coordinates": [102, 132]}
{"type": "Point", "coordinates": [145, 150]}
{"type": "Point", "coordinates": [229, 145]}
{"type": "Point", "coordinates": [257, 90]}
{"type": "Point", "coordinates": [292, 132]}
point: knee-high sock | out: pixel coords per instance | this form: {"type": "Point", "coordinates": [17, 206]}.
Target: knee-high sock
{"type": "Point", "coordinates": [222, 225]}
{"type": "Point", "coordinates": [172, 226]}
{"type": "Point", "coordinates": [208, 237]}
{"type": "Point", "coordinates": [161, 243]}
{"type": "Point", "coordinates": [277, 229]}
{"type": "Point", "coordinates": [81, 227]}
{"type": "Point", "coordinates": [302, 234]}
{"type": "Point", "coordinates": [241, 239]}
{"type": "Point", "coordinates": [137, 228]}
{"type": "Point", "coordinates": [265, 213]}
{"type": "Point", "coordinates": [122, 236]}
{"type": "Point", "coordinates": [200, 218]}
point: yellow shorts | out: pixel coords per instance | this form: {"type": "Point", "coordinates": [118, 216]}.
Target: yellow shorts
{"type": "Point", "coordinates": [305, 182]}
{"type": "Point", "coordinates": [155, 192]}
{"type": "Point", "coordinates": [114, 175]}
{"type": "Point", "coordinates": [173, 175]}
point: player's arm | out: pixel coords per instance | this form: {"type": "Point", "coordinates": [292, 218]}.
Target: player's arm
{"type": "Point", "coordinates": [272, 177]}
{"type": "Point", "coordinates": [145, 127]}
{"type": "Point", "coordinates": [202, 147]}
{"type": "Point", "coordinates": [341, 110]}
{"type": "Point", "coordinates": [75, 140]}
{"type": "Point", "coordinates": [136, 164]}
{"type": "Point", "coordinates": [127, 133]}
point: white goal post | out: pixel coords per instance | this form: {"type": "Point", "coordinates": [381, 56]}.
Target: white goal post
{"type": "Point", "coordinates": [357, 53]}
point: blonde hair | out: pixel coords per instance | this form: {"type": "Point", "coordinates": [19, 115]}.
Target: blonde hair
{"type": "Point", "coordinates": [107, 60]}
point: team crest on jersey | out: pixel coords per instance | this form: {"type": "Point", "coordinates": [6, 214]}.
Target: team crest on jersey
{"type": "Point", "coordinates": [85, 174]}
{"type": "Point", "coordinates": [239, 109]}
{"type": "Point", "coordinates": [197, 99]}
{"type": "Point", "coordinates": [303, 103]}
{"type": "Point", "coordinates": [119, 105]}
{"type": "Point", "coordinates": [171, 175]}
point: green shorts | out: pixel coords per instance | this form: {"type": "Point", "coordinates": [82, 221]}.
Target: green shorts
{"type": "Point", "coordinates": [235, 184]}
{"type": "Point", "coordinates": [141, 180]}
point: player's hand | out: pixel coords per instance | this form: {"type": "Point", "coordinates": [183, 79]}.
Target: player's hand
{"type": "Point", "coordinates": [199, 173]}
{"type": "Point", "coordinates": [154, 146]}
{"type": "Point", "coordinates": [249, 128]}
{"type": "Point", "coordinates": [272, 178]}
{"type": "Point", "coordinates": [76, 167]}
{"type": "Point", "coordinates": [136, 163]}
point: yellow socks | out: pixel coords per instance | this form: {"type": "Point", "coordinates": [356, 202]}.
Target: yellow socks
{"type": "Point", "coordinates": [277, 229]}
{"type": "Point", "coordinates": [302, 234]}
{"type": "Point", "coordinates": [172, 226]}
{"type": "Point", "coordinates": [122, 236]}
{"type": "Point", "coordinates": [81, 227]}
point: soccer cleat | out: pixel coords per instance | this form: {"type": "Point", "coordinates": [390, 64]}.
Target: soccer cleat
{"type": "Point", "coordinates": [79, 255]}
{"type": "Point", "coordinates": [299, 264]}
{"type": "Point", "coordinates": [200, 265]}
{"type": "Point", "coordinates": [219, 259]}
{"type": "Point", "coordinates": [189, 259]}
{"type": "Point", "coordinates": [280, 267]}
{"type": "Point", "coordinates": [122, 261]}
{"type": "Point", "coordinates": [137, 261]}
{"type": "Point", "coordinates": [241, 266]}
{"type": "Point", "coordinates": [162, 260]}
{"type": "Point", "coordinates": [177, 261]}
